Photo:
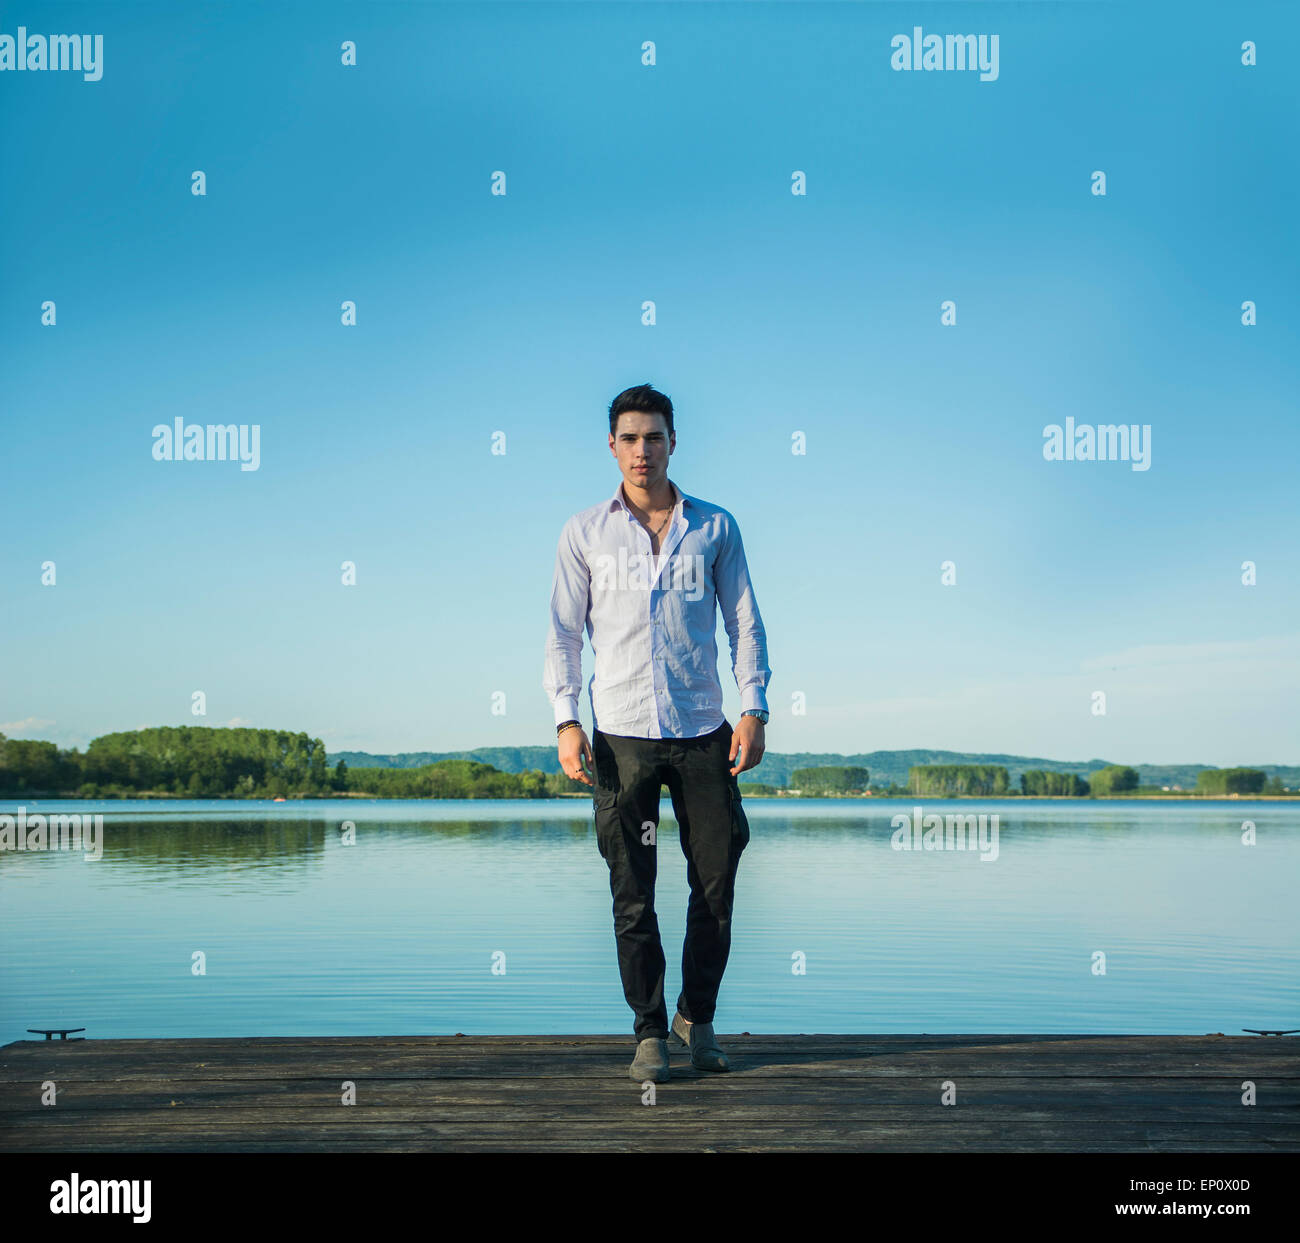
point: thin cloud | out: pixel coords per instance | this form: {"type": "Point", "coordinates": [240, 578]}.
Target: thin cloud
{"type": "Point", "coordinates": [25, 726]}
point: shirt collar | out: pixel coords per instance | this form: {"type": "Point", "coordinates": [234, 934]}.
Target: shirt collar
{"type": "Point", "coordinates": [618, 502]}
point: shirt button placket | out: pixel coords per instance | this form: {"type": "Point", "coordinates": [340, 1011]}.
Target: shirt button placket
{"type": "Point", "coordinates": [644, 538]}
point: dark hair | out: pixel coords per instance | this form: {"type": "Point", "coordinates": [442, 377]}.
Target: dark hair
{"type": "Point", "coordinates": [642, 398]}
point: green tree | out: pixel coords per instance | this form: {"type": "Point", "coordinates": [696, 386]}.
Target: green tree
{"type": "Point", "coordinates": [1230, 781]}
{"type": "Point", "coordinates": [949, 780]}
{"type": "Point", "coordinates": [829, 779]}
{"type": "Point", "coordinates": [1039, 783]}
{"type": "Point", "coordinates": [1113, 779]}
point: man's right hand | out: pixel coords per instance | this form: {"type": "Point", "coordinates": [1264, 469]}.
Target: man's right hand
{"type": "Point", "coordinates": [576, 759]}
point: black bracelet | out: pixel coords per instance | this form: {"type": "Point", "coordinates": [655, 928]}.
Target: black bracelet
{"type": "Point", "coordinates": [563, 725]}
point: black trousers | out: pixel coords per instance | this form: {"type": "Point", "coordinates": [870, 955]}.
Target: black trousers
{"type": "Point", "coordinates": [713, 831]}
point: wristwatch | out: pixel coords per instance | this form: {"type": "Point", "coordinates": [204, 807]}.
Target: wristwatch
{"type": "Point", "coordinates": [758, 712]}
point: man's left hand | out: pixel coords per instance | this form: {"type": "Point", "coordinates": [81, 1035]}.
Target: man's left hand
{"type": "Point", "coordinates": [747, 737]}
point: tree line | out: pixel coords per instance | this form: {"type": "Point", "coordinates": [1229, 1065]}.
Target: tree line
{"type": "Point", "coordinates": [212, 762]}
{"type": "Point", "coordinates": [830, 779]}
{"type": "Point", "coordinates": [192, 760]}
{"type": "Point", "coordinates": [1235, 781]}
{"type": "Point", "coordinates": [942, 780]}
{"type": "Point", "coordinates": [216, 762]}
{"type": "Point", "coordinates": [948, 780]}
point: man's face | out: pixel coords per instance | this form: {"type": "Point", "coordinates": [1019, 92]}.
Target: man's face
{"type": "Point", "coordinates": [642, 446]}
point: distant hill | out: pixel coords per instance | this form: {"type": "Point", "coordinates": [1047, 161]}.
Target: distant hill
{"type": "Point", "coordinates": [884, 766]}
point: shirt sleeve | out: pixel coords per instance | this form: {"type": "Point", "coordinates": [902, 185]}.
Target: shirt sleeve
{"type": "Point", "coordinates": [742, 619]}
{"type": "Point", "coordinates": [570, 604]}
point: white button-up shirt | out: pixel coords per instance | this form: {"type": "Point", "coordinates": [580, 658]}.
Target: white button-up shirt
{"type": "Point", "coordinates": [652, 620]}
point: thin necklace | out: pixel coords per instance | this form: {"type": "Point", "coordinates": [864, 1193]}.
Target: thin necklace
{"type": "Point", "coordinates": [664, 523]}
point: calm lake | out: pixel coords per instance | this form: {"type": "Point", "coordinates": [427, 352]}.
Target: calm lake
{"type": "Point", "coordinates": [835, 929]}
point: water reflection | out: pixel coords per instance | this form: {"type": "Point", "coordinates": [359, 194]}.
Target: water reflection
{"type": "Point", "coordinates": [369, 917]}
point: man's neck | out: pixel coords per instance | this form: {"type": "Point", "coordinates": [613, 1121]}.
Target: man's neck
{"type": "Point", "coordinates": [662, 498]}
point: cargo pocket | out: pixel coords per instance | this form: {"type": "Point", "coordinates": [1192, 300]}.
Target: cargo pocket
{"type": "Point", "coordinates": [605, 805]}
{"type": "Point", "coordinates": [739, 821]}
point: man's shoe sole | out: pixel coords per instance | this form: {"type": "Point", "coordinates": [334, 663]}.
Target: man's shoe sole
{"type": "Point", "coordinates": [660, 1077]}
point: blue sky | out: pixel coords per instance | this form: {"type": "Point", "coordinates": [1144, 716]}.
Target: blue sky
{"type": "Point", "coordinates": [776, 314]}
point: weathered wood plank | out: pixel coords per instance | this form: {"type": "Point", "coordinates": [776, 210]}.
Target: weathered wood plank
{"type": "Point", "coordinates": [910, 1137]}
{"type": "Point", "coordinates": [531, 1070]}
{"type": "Point", "coordinates": [1103, 1095]}
{"type": "Point", "coordinates": [1276, 1120]}
{"type": "Point", "coordinates": [810, 1040]}
{"type": "Point", "coordinates": [541, 1093]}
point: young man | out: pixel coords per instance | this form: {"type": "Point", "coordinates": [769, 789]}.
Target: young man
{"type": "Point", "coordinates": [643, 572]}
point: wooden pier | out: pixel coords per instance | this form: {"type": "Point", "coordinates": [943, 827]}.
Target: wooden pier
{"type": "Point", "coordinates": [1013, 1093]}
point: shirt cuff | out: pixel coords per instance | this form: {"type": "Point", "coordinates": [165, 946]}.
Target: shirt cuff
{"type": "Point", "coordinates": [566, 709]}
{"type": "Point", "coordinates": [751, 697]}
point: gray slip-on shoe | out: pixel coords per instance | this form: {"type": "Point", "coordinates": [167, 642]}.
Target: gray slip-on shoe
{"type": "Point", "coordinates": [651, 1061]}
{"type": "Point", "coordinates": [706, 1054]}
